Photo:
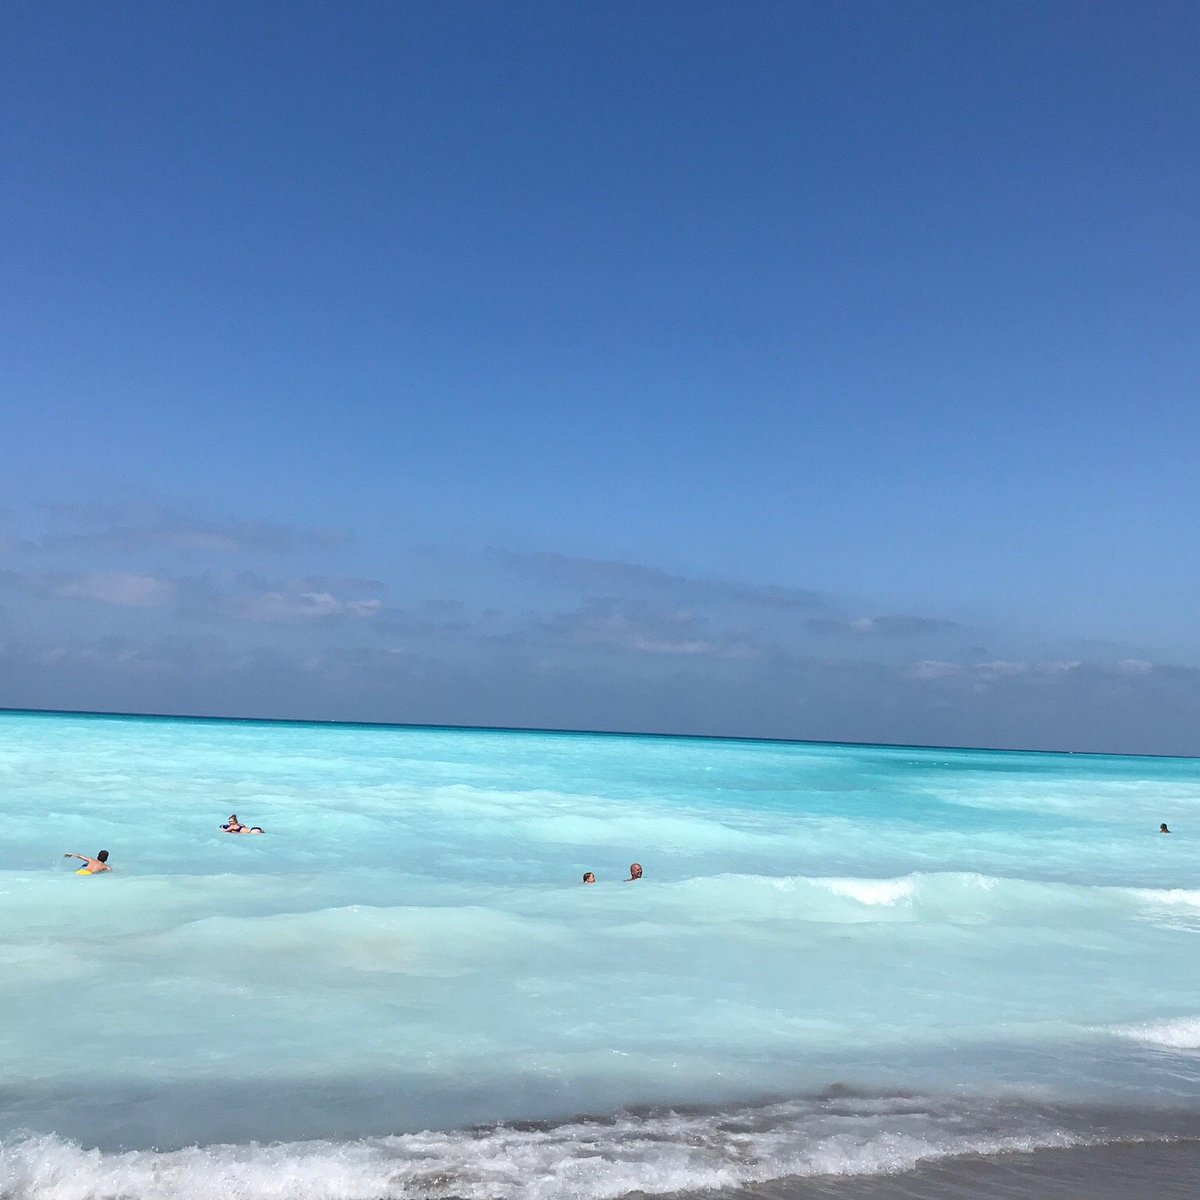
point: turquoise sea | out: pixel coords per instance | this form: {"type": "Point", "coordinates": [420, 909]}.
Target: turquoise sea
{"type": "Point", "coordinates": [842, 961]}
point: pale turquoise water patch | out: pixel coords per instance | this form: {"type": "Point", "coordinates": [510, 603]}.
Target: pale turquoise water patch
{"type": "Point", "coordinates": [409, 944]}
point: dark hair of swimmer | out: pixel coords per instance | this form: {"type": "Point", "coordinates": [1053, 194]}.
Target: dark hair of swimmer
{"type": "Point", "coordinates": [589, 877]}
{"type": "Point", "coordinates": [233, 819]}
{"type": "Point", "coordinates": [1163, 828]}
{"type": "Point", "coordinates": [635, 872]}
{"type": "Point", "coordinates": [102, 856]}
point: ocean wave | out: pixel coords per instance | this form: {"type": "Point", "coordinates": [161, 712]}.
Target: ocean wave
{"type": "Point", "coordinates": [1169, 897]}
{"type": "Point", "coordinates": [1180, 1033]}
{"type": "Point", "coordinates": [963, 897]}
{"type": "Point", "coordinates": [1176, 908]}
{"type": "Point", "coordinates": [655, 1152]}
{"type": "Point", "coordinates": [873, 891]}
{"type": "Point", "coordinates": [946, 897]}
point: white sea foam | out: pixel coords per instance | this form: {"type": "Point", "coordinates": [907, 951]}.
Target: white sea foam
{"type": "Point", "coordinates": [1181, 1033]}
{"type": "Point", "coordinates": [1185, 900]}
{"type": "Point", "coordinates": [941, 896]}
{"type": "Point", "coordinates": [873, 891]}
{"type": "Point", "coordinates": [1168, 897]}
{"type": "Point", "coordinates": [1173, 908]}
{"type": "Point", "coordinates": [653, 1154]}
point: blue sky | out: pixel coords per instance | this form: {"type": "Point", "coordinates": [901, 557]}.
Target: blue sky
{"type": "Point", "coordinates": [801, 370]}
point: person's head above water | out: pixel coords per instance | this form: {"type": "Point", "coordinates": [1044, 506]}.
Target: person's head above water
{"type": "Point", "coordinates": [589, 877]}
{"type": "Point", "coordinates": [635, 872]}
{"type": "Point", "coordinates": [1163, 828]}
{"type": "Point", "coordinates": [102, 856]}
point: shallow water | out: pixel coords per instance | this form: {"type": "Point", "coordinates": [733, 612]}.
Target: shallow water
{"type": "Point", "coordinates": [1000, 944]}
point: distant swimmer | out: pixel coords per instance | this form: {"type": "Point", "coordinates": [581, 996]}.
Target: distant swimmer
{"type": "Point", "coordinates": [635, 872]}
{"type": "Point", "coordinates": [233, 825]}
{"type": "Point", "coordinates": [589, 877]}
{"type": "Point", "coordinates": [1163, 828]}
{"type": "Point", "coordinates": [91, 866]}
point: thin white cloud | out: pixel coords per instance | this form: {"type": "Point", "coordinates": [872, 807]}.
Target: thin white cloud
{"type": "Point", "coordinates": [199, 537]}
{"type": "Point", "coordinates": [161, 527]}
{"type": "Point", "coordinates": [610, 626]}
{"type": "Point", "coordinates": [616, 577]}
{"type": "Point", "coordinates": [242, 597]}
{"type": "Point", "coordinates": [1135, 666]}
{"type": "Point", "coordinates": [882, 626]}
{"type": "Point", "coordinates": [995, 669]}
{"type": "Point", "coordinates": [298, 607]}
{"type": "Point", "coordinates": [1001, 668]}
{"type": "Point", "coordinates": [120, 588]}
{"type": "Point", "coordinates": [933, 668]}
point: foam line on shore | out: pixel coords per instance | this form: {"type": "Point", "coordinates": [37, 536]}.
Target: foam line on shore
{"type": "Point", "coordinates": [655, 1152]}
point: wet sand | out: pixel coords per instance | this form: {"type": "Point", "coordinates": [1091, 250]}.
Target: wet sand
{"type": "Point", "coordinates": [1164, 1170]}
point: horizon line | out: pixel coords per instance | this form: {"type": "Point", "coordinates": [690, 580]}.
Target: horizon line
{"type": "Point", "coordinates": [565, 732]}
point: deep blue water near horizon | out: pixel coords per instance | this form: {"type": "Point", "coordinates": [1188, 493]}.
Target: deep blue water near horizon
{"type": "Point", "coordinates": [659, 735]}
{"type": "Point", "coordinates": [842, 959]}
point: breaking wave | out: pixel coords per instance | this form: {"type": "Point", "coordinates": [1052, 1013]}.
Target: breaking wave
{"type": "Point", "coordinates": [1181, 1033]}
{"type": "Point", "coordinates": [653, 1152]}
{"type": "Point", "coordinates": [943, 896]}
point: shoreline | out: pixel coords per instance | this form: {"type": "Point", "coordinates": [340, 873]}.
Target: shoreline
{"type": "Point", "coordinates": [1165, 1170]}
{"type": "Point", "coordinates": [427, 1167]}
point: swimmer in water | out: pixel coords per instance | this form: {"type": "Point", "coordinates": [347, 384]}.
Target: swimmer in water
{"type": "Point", "coordinates": [233, 825]}
{"type": "Point", "coordinates": [589, 877]}
{"type": "Point", "coordinates": [635, 872]}
{"type": "Point", "coordinates": [1163, 828]}
{"type": "Point", "coordinates": [92, 866]}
